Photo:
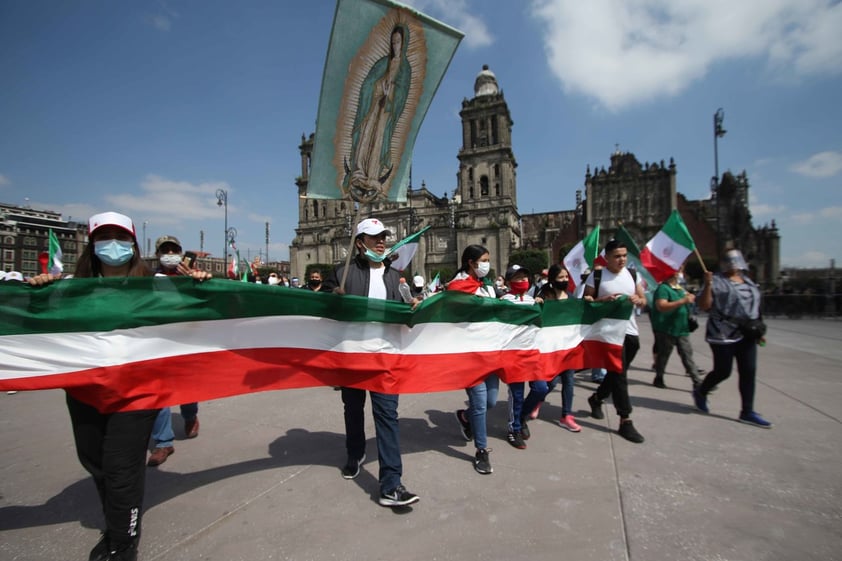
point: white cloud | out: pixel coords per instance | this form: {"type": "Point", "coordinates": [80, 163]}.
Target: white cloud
{"type": "Point", "coordinates": [823, 164]}
{"type": "Point", "coordinates": [625, 52]}
{"type": "Point", "coordinates": [806, 259]}
{"type": "Point", "coordinates": [832, 212]}
{"type": "Point", "coordinates": [4, 180]}
{"type": "Point", "coordinates": [764, 210]}
{"type": "Point", "coordinates": [165, 202]}
{"type": "Point", "coordinates": [456, 13]}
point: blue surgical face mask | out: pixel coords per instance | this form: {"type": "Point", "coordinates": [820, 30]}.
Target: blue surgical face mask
{"type": "Point", "coordinates": [114, 252]}
{"type": "Point", "coordinates": [374, 256]}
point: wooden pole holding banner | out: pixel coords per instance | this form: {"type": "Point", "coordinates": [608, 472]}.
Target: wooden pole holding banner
{"type": "Point", "coordinates": [702, 261]}
{"type": "Point", "coordinates": [350, 249]}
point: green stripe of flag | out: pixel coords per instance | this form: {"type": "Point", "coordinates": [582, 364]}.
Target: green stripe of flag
{"type": "Point", "coordinates": [677, 231]}
{"type": "Point", "coordinates": [105, 304]}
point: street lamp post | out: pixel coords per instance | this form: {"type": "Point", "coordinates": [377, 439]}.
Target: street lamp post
{"type": "Point", "coordinates": [718, 132]}
{"type": "Point", "coordinates": [222, 200]}
{"type": "Point", "coordinates": [144, 249]}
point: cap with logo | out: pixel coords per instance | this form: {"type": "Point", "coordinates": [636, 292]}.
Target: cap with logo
{"type": "Point", "coordinates": [166, 239]}
{"type": "Point", "coordinates": [97, 221]}
{"type": "Point", "coordinates": [371, 227]}
{"type": "Point", "coordinates": [510, 272]}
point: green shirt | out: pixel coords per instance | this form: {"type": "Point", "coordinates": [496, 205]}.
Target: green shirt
{"type": "Point", "coordinates": [673, 322]}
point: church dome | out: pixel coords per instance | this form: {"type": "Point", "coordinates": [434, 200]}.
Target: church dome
{"type": "Point", "coordinates": [486, 83]}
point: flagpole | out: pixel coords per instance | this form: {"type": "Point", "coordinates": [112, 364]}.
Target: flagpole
{"type": "Point", "coordinates": [350, 249]}
{"type": "Point", "coordinates": [702, 261]}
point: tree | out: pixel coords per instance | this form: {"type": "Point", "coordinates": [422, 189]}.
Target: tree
{"type": "Point", "coordinates": [535, 260]}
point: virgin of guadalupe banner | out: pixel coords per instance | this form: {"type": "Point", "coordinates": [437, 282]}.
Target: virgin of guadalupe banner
{"type": "Point", "coordinates": [384, 64]}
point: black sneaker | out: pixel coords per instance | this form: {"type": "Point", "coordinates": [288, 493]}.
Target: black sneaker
{"type": "Point", "coordinates": [481, 463]}
{"type": "Point", "coordinates": [516, 440]}
{"type": "Point", "coordinates": [628, 432]}
{"type": "Point", "coordinates": [352, 468]}
{"type": "Point", "coordinates": [100, 550]}
{"type": "Point", "coordinates": [596, 407]}
{"type": "Point", "coordinates": [658, 382]}
{"type": "Point", "coordinates": [398, 496]}
{"type": "Point", "coordinates": [524, 430]}
{"type": "Point", "coordinates": [124, 552]}
{"type": "Point", "coordinates": [464, 424]}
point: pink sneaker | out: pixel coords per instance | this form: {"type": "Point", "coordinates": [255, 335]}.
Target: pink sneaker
{"type": "Point", "coordinates": [569, 423]}
{"type": "Point", "coordinates": [534, 414]}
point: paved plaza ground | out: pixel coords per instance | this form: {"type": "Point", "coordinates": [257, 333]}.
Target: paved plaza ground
{"type": "Point", "coordinates": [262, 481]}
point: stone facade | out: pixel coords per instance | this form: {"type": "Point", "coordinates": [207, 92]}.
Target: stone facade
{"type": "Point", "coordinates": [24, 234]}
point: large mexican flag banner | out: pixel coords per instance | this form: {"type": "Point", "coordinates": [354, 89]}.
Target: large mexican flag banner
{"type": "Point", "coordinates": [138, 343]}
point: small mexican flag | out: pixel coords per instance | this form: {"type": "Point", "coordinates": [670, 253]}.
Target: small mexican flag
{"type": "Point", "coordinates": [666, 252]}
{"type": "Point", "coordinates": [54, 261]}
{"type": "Point", "coordinates": [581, 257]}
{"type": "Point", "coordinates": [407, 246]}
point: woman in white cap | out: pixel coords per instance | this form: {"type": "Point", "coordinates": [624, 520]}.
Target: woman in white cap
{"type": "Point", "coordinates": [112, 446]}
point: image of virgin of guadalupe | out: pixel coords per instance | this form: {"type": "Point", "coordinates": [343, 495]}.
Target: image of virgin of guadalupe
{"type": "Point", "coordinates": [382, 99]}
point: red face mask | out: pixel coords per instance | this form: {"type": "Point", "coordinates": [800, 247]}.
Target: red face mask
{"type": "Point", "coordinates": [519, 287]}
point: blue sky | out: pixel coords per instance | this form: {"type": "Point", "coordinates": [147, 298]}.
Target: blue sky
{"type": "Point", "coordinates": [149, 107]}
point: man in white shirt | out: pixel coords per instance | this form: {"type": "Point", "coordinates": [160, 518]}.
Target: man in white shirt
{"type": "Point", "coordinates": [612, 282]}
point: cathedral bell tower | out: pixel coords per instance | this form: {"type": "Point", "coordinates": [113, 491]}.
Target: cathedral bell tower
{"type": "Point", "coordinates": [486, 192]}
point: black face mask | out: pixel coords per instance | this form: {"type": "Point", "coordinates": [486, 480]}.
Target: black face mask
{"type": "Point", "coordinates": [560, 285]}
{"type": "Point", "coordinates": [313, 283]}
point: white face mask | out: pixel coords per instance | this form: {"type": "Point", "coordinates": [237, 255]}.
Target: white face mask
{"type": "Point", "coordinates": [274, 280]}
{"type": "Point", "coordinates": [482, 268]}
{"type": "Point", "coordinates": [170, 260]}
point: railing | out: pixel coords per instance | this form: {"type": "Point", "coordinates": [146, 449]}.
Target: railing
{"type": "Point", "coordinates": [802, 305]}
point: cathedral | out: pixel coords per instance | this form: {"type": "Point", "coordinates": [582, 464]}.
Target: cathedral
{"type": "Point", "coordinates": [482, 209]}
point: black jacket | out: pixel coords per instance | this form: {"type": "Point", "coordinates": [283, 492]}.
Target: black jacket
{"type": "Point", "coordinates": [359, 275]}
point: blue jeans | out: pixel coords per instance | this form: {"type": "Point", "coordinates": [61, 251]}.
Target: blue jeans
{"type": "Point", "coordinates": [598, 374]}
{"type": "Point", "coordinates": [481, 398]}
{"type": "Point", "coordinates": [517, 404]}
{"type": "Point", "coordinates": [566, 379]}
{"type": "Point", "coordinates": [384, 408]}
{"type": "Point", "coordinates": [162, 433]}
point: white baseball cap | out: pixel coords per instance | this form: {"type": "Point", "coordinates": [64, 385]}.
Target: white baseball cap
{"type": "Point", "coordinates": [111, 219]}
{"type": "Point", "coordinates": [372, 227]}
{"type": "Point", "coordinates": [418, 281]}
{"type": "Point", "coordinates": [14, 276]}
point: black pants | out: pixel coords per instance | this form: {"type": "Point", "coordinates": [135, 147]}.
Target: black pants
{"type": "Point", "coordinates": [112, 448]}
{"type": "Point", "coordinates": [616, 384]}
{"type": "Point", "coordinates": [745, 351]}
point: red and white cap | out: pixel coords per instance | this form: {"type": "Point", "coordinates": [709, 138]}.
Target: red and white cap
{"type": "Point", "coordinates": [111, 219]}
{"type": "Point", "coordinates": [372, 227]}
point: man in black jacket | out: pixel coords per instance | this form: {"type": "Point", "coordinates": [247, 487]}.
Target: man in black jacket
{"type": "Point", "coordinates": [371, 275]}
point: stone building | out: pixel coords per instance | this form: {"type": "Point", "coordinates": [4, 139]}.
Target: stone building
{"type": "Point", "coordinates": [482, 209]}
{"type": "Point", "coordinates": [24, 234]}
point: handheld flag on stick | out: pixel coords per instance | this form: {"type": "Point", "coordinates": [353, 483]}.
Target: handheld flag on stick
{"type": "Point", "coordinates": [407, 246]}
{"type": "Point", "coordinates": [581, 257]}
{"type": "Point", "coordinates": [666, 252]}
{"type": "Point", "coordinates": [54, 264]}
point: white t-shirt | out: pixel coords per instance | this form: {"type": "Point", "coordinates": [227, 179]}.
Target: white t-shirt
{"type": "Point", "coordinates": [620, 283]}
{"type": "Point", "coordinates": [376, 286]}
